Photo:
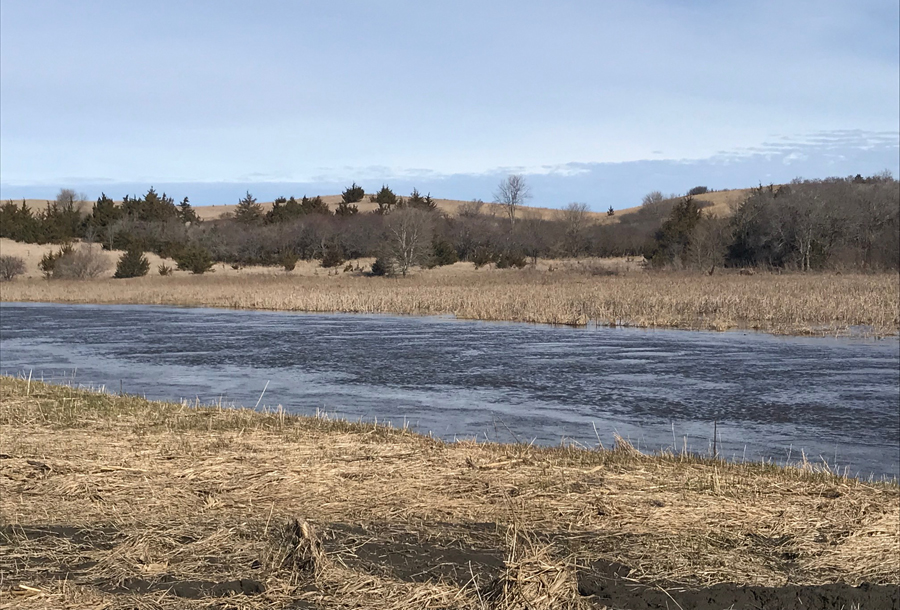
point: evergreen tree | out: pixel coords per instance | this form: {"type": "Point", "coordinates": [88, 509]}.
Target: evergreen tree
{"type": "Point", "coordinates": [314, 206]}
{"type": "Point", "coordinates": [674, 238]}
{"type": "Point", "coordinates": [104, 213]}
{"type": "Point", "coordinates": [345, 209]}
{"type": "Point", "coordinates": [443, 253]}
{"type": "Point", "coordinates": [276, 214]}
{"type": "Point", "coordinates": [292, 209]}
{"type": "Point", "coordinates": [248, 211]}
{"type": "Point", "coordinates": [416, 200]}
{"type": "Point", "coordinates": [195, 259]}
{"type": "Point", "coordinates": [19, 223]}
{"type": "Point", "coordinates": [186, 212]}
{"type": "Point", "coordinates": [386, 200]}
{"type": "Point", "coordinates": [152, 207]}
{"type": "Point", "coordinates": [353, 194]}
{"type": "Point", "coordinates": [132, 263]}
{"type": "Point", "coordinates": [61, 223]}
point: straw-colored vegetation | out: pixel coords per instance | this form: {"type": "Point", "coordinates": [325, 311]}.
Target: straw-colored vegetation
{"type": "Point", "coordinates": [572, 293]}
{"type": "Point", "coordinates": [116, 502]}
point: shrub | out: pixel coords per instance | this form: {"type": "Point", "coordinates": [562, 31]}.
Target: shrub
{"type": "Point", "coordinates": [443, 253]}
{"type": "Point", "coordinates": [381, 266]}
{"type": "Point", "coordinates": [698, 190]}
{"type": "Point", "coordinates": [332, 256]}
{"type": "Point", "coordinates": [132, 263]}
{"type": "Point", "coordinates": [164, 269]}
{"type": "Point", "coordinates": [10, 267]}
{"type": "Point", "coordinates": [511, 259]}
{"type": "Point", "coordinates": [195, 259]}
{"type": "Point", "coordinates": [48, 261]}
{"type": "Point", "coordinates": [86, 262]}
{"type": "Point", "coordinates": [482, 256]}
{"type": "Point", "coordinates": [289, 260]}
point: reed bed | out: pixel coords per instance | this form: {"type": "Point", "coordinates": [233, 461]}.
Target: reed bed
{"type": "Point", "coordinates": [118, 502]}
{"type": "Point", "coordinates": [814, 304]}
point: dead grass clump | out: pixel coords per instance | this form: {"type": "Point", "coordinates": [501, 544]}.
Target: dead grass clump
{"type": "Point", "coordinates": [298, 551]}
{"type": "Point", "coordinates": [533, 579]}
{"type": "Point", "coordinates": [624, 447]}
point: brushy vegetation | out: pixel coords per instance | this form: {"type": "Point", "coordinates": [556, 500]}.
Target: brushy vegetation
{"type": "Point", "coordinates": [833, 224]}
{"type": "Point", "coordinates": [118, 502]}
{"type": "Point", "coordinates": [11, 267]}
{"type": "Point", "coordinates": [69, 262]}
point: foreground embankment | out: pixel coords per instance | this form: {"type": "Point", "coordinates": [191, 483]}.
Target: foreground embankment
{"type": "Point", "coordinates": [789, 303]}
{"type": "Point", "coordinates": [117, 502]}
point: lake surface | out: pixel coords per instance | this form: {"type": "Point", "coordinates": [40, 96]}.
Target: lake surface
{"type": "Point", "coordinates": [773, 397]}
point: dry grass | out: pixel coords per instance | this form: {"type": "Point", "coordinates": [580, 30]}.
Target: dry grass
{"type": "Point", "coordinates": [574, 294]}
{"type": "Point", "coordinates": [329, 513]}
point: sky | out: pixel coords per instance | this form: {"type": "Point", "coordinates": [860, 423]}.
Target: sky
{"type": "Point", "coordinates": [596, 102]}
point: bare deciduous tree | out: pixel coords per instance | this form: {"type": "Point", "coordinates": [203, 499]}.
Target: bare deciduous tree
{"type": "Point", "coordinates": [10, 267]}
{"type": "Point", "coordinates": [512, 193]}
{"type": "Point", "coordinates": [68, 200]}
{"type": "Point", "coordinates": [575, 219]}
{"type": "Point", "coordinates": [708, 244]}
{"type": "Point", "coordinates": [656, 205]}
{"type": "Point", "coordinates": [409, 232]}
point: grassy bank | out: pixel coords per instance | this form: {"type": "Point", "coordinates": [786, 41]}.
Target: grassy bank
{"type": "Point", "coordinates": [117, 502]}
{"type": "Point", "coordinates": [573, 294]}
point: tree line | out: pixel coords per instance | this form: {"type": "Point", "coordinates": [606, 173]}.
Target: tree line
{"type": "Point", "coordinates": [806, 225]}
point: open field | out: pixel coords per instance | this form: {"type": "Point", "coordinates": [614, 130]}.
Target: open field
{"type": "Point", "coordinates": [573, 292]}
{"type": "Point", "coordinates": [116, 502]}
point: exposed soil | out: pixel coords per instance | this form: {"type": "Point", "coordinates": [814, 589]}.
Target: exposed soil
{"type": "Point", "coordinates": [432, 554]}
{"type": "Point", "coordinates": [417, 556]}
{"type": "Point", "coordinates": [622, 593]}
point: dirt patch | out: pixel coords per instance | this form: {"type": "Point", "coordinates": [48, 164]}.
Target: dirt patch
{"type": "Point", "coordinates": [617, 592]}
{"type": "Point", "coordinates": [439, 553]}
{"type": "Point", "coordinates": [99, 539]}
{"type": "Point", "coordinates": [189, 589]}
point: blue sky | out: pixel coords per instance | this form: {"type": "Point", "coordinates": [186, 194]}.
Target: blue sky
{"type": "Point", "coordinates": [597, 102]}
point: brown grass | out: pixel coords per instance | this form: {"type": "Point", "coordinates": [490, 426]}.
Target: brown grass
{"type": "Point", "coordinates": [163, 493]}
{"type": "Point", "coordinates": [573, 293]}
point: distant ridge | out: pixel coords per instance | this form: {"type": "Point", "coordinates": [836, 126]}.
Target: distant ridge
{"type": "Point", "coordinates": [721, 205]}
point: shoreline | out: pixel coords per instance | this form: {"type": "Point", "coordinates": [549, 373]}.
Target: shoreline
{"type": "Point", "coordinates": [279, 509]}
{"type": "Point", "coordinates": [811, 334]}
{"type": "Point", "coordinates": [797, 304]}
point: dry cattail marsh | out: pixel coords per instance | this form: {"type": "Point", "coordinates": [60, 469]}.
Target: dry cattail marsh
{"type": "Point", "coordinates": [117, 502]}
{"type": "Point", "coordinates": [574, 293]}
